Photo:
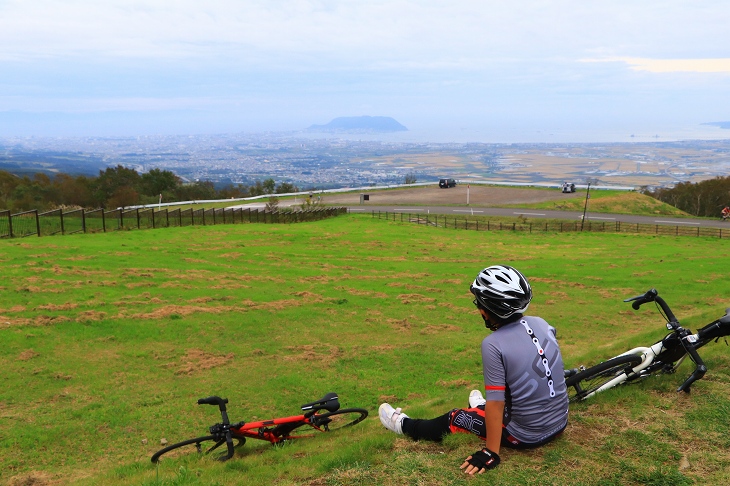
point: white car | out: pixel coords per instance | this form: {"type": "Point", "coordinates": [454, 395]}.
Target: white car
{"type": "Point", "coordinates": [568, 187]}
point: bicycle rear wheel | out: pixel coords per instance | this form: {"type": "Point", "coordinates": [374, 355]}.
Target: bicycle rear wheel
{"type": "Point", "coordinates": [588, 381]}
{"type": "Point", "coordinates": [347, 417]}
{"type": "Point", "coordinates": [201, 445]}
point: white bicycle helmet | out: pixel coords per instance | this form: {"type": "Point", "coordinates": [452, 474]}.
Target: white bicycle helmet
{"type": "Point", "coordinates": [502, 291]}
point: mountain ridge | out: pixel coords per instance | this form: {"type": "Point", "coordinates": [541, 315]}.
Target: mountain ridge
{"type": "Point", "coordinates": [363, 123]}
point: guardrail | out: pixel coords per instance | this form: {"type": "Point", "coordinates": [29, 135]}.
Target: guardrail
{"type": "Point", "coordinates": [33, 223]}
{"type": "Point", "coordinates": [551, 227]}
{"type": "Point", "coordinates": [364, 189]}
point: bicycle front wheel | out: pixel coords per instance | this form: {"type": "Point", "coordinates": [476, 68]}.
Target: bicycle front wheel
{"type": "Point", "coordinates": [588, 381]}
{"type": "Point", "coordinates": [201, 445]}
{"type": "Point", "coordinates": [347, 417]}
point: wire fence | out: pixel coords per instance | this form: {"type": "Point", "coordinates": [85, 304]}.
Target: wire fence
{"type": "Point", "coordinates": [552, 226]}
{"type": "Point", "coordinates": [58, 221]}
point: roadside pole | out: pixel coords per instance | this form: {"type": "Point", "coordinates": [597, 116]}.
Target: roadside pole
{"type": "Point", "coordinates": [585, 207]}
{"type": "Point", "coordinates": [467, 194]}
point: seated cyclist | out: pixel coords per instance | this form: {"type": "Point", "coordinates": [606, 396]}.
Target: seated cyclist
{"type": "Point", "coordinates": [526, 402]}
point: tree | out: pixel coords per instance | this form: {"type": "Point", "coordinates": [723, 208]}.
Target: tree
{"type": "Point", "coordinates": [272, 204]}
{"type": "Point", "coordinates": [123, 197]}
{"type": "Point", "coordinates": [269, 186]}
{"type": "Point", "coordinates": [410, 178]}
{"type": "Point", "coordinates": [73, 191]}
{"type": "Point", "coordinates": [195, 191]}
{"type": "Point", "coordinates": [286, 188]}
{"type": "Point", "coordinates": [158, 181]}
{"type": "Point", "coordinates": [8, 183]}
{"type": "Point", "coordinates": [705, 198]}
{"type": "Point", "coordinates": [230, 191]}
{"type": "Point", "coordinates": [112, 180]}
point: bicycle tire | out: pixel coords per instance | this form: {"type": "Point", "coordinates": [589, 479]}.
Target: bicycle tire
{"type": "Point", "coordinates": [347, 417]}
{"type": "Point", "coordinates": [588, 381]}
{"type": "Point", "coordinates": [215, 443]}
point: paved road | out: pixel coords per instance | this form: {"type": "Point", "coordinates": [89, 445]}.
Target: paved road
{"type": "Point", "coordinates": [544, 214]}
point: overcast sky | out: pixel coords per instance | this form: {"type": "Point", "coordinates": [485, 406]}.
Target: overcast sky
{"type": "Point", "coordinates": [123, 67]}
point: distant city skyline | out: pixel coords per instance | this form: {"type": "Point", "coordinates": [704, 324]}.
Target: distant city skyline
{"type": "Point", "coordinates": [485, 71]}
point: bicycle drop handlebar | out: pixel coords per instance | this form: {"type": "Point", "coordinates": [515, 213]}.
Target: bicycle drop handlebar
{"type": "Point", "coordinates": [686, 338]}
{"type": "Point", "coordinates": [225, 428]}
{"type": "Point", "coordinates": [652, 295]}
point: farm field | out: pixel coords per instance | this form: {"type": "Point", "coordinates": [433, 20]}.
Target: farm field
{"type": "Point", "coordinates": [623, 164]}
{"type": "Point", "coordinates": [109, 339]}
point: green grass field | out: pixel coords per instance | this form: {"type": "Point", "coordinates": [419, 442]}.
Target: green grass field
{"type": "Point", "coordinates": [109, 339]}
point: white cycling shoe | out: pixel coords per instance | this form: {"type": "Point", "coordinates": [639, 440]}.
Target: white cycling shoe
{"type": "Point", "coordinates": [392, 418]}
{"type": "Point", "coordinates": [476, 399]}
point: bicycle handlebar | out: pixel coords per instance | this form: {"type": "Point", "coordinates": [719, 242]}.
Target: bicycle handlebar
{"type": "Point", "coordinates": [652, 295]}
{"type": "Point", "coordinates": [685, 336]}
{"type": "Point", "coordinates": [221, 402]}
{"type": "Point", "coordinates": [213, 401]}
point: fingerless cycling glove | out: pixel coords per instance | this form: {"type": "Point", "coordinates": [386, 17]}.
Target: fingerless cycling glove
{"type": "Point", "coordinates": [484, 459]}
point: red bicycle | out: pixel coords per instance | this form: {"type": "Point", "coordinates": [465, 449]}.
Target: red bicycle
{"type": "Point", "coordinates": [323, 415]}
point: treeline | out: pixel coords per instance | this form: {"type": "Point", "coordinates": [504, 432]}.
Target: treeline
{"type": "Point", "coordinates": [118, 187]}
{"type": "Point", "coordinates": [706, 198]}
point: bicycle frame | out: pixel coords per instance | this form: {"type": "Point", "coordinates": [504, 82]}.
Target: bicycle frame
{"type": "Point", "coordinates": [648, 355]}
{"type": "Point", "coordinates": [260, 430]}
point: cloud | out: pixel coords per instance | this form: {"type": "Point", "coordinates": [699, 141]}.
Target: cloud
{"type": "Point", "coordinates": [714, 66]}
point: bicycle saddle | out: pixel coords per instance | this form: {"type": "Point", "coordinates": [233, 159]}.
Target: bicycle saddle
{"type": "Point", "coordinates": [329, 402]}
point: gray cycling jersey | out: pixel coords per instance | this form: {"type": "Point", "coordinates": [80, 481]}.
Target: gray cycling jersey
{"type": "Point", "coordinates": [531, 385]}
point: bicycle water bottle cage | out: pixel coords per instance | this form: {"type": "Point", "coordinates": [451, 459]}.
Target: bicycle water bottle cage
{"type": "Point", "coordinates": [329, 402]}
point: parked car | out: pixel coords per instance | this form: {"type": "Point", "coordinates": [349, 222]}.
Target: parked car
{"type": "Point", "coordinates": [446, 183]}
{"type": "Point", "coordinates": [568, 187]}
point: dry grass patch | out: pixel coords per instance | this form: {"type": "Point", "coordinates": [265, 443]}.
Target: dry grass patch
{"type": "Point", "coordinates": [313, 352]}
{"type": "Point", "coordinates": [459, 383]}
{"type": "Point", "coordinates": [33, 478]}
{"type": "Point", "coordinates": [400, 325]}
{"type": "Point", "coordinates": [196, 360]}
{"type": "Point", "coordinates": [415, 298]}
{"type": "Point", "coordinates": [91, 316]}
{"type": "Point", "coordinates": [27, 355]}
{"type": "Point", "coordinates": [439, 328]}
{"type": "Point", "coordinates": [364, 293]}
{"type": "Point", "coordinates": [179, 310]}
{"type": "Point", "coordinates": [54, 307]}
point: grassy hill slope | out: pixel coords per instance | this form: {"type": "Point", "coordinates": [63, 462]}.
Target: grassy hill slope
{"type": "Point", "coordinates": [614, 202]}
{"type": "Point", "coordinates": [109, 340]}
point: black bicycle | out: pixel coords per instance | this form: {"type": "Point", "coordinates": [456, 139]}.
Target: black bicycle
{"type": "Point", "coordinates": [664, 356]}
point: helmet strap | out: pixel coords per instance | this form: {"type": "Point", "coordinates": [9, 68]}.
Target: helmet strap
{"type": "Point", "coordinates": [489, 323]}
